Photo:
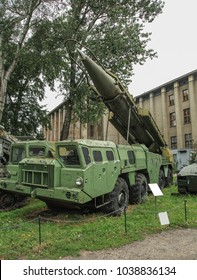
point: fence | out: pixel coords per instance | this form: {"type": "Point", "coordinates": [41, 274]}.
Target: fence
{"type": "Point", "coordinates": [185, 208]}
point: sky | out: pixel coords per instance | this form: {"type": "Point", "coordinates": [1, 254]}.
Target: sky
{"type": "Point", "coordinates": [174, 38]}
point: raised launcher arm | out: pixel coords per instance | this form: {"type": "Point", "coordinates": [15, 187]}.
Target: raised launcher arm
{"type": "Point", "coordinates": [136, 125]}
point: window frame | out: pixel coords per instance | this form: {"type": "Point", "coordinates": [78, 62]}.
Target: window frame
{"type": "Point", "coordinates": [172, 119]}
{"type": "Point", "coordinates": [173, 144]}
{"type": "Point", "coordinates": [186, 116]}
{"type": "Point", "coordinates": [171, 100]}
{"type": "Point", "coordinates": [188, 140]}
{"type": "Point", "coordinates": [185, 94]}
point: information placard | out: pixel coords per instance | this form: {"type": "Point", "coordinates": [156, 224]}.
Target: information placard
{"type": "Point", "coordinates": [163, 217]}
{"type": "Point", "coordinates": [155, 189]}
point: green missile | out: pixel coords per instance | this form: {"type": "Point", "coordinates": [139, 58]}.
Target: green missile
{"type": "Point", "coordinates": [104, 83]}
{"type": "Point", "coordinates": [135, 125]}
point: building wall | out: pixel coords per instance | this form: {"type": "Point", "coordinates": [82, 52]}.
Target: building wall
{"type": "Point", "coordinates": [174, 108]}
{"type": "Point", "coordinates": [167, 104]}
{"type": "Point", "coordinates": [103, 131]}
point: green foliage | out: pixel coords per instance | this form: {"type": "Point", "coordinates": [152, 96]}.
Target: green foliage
{"type": "Point", "coordinates": [67, 232]}
{"type": "Point", "coordinates": [87, 107]}
{"type": "Point", "coordinates": [113, 30]}
{"type": "Point", "coordinates": [23, 114]}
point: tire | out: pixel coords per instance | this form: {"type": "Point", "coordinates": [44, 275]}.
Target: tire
{"type": "Point", "coordinates": [138, 192]}
{"type": "Point", "coordinates": [161, 179]}
{"type": "Point", "coordinates": [6, 200]}
{"type": "Point", "coordinates": [119, 198]}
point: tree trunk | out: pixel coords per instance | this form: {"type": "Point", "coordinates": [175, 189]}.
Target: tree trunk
{"type": "Point", "coordinates": [3, 87]}
{"type": "Point", "coordinates": [69, 102]}
{"type": "Point", "coordinates": [67, 120]}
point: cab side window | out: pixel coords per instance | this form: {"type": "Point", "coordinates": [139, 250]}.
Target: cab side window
{"type": "Point", "coordinates": [131, 157]}
{"type": "Point", "coordinates": [109, 155]}
{"type": "Point", "coordinates": [97, 156]}
{"type": "Point", "coordinates": [86, 155]}
{"type": "Point", "coordinates": [18, 153]}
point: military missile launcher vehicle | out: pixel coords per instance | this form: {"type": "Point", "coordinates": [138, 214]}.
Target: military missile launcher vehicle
{"type": "Point", "coordinates": [24, 156]}
{"type": "Point", "coordinates": [6, 140]}
{"type": "Point", "coordinates": [92, 173]}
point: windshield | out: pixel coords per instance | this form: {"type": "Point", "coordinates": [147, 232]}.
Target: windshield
{"type": "Point", "coordinates": [36, 151]}
{"type": "Point", "coordinates": [18, 153]}
{"type": "Point", "coordinates": [68, 155]}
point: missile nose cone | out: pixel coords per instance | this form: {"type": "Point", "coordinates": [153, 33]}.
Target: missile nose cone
{"type": "Point", "coordinates": [104, 83]}
{"type": "Point", "coordinates": [82, 54]}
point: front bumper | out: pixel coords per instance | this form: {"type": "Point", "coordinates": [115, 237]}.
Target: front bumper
{"type": "Point", "coordinates": [63, 194]}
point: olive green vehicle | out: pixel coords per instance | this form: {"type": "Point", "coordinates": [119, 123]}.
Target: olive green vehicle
{"type": "Point", "coordinates": [187, 176]}
{"type": "Point", "coordinates": [92, 173]}
{"type": "Point", "coordinates": [5, 142]}
{"type": "Point", "coordinates": [80, 172]}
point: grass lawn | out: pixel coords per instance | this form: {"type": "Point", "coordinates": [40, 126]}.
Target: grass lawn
{"type": "Point", "coordinates": [67, 232]}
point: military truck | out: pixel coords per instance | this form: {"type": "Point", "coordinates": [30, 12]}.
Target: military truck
{"type": "Point", "coordinates": [91, 173]}
{"type": "Point", "coordinates": [187, 179]}
{"type": "Point", "coordinates": [86, 173]}
{"type": "Point", "coordinates": [5, 142]}
{"type": "Point", "coordinates": [34, 152]}
{"type": "Point", "coordinates": [187, 176]}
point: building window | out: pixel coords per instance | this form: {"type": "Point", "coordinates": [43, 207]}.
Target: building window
{"type": "Point", "coordinates": [173, 142]}
{"type": "Point", "coordinates": [185, 94]}
{"type": "Point", "coordinates": [188, 140]}
{"type": "Point", "coordinates": [186, 115]}
{"type": "Point", "coordinates": [171, 99]}
{"type": "Point", "coordinates": [172, 119]}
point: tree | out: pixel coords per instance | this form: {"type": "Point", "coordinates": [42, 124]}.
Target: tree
{"type": "Point", "coordinates": [17, 17]}
{"type": "Point", "coordinates": [22, 113]}
{"type": "Point", "coordinates": [39, 65]}
{"type": "Point", "coordinates": [114, 31]}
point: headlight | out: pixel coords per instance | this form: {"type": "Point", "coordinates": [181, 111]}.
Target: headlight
{"type": "Point", "coordinates": [79, 181]}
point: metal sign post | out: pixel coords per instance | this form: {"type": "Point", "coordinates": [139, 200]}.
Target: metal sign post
{"type": "Point", "coordinates": [156, 192]}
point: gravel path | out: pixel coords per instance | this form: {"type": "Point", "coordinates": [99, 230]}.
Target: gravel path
{"type": "Point", "coordinates": [179, 244]}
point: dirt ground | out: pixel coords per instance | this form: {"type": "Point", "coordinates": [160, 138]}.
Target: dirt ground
{"type": "Point", "coordinates": [179, 244]}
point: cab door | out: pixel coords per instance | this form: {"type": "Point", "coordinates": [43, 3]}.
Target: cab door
{"type": "Point", "coordinates": [100, 172]}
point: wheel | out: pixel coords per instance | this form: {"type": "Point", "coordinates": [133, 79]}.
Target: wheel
{"type": "Point", "coordinates": [161, 179]}
{"type": "Point", "coordinates": [118, 198]}
{"type": "Point", "coordinates": [138, 192]}
{"type": "Point", "coordinates": [6, 200]}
